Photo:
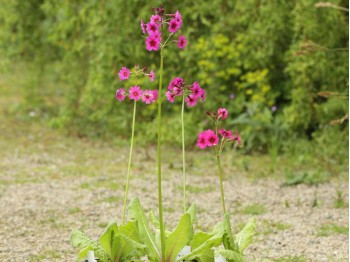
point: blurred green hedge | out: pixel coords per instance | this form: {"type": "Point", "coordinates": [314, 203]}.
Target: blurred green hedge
{"type": "Point", "coordinates": [248, 55]}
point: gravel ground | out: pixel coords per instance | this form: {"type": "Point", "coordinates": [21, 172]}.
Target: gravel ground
{"type": "Point", "coordinates": [41, 202]}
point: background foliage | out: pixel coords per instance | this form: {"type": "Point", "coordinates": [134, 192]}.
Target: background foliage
{"type": "Point", "coordinates": [249, 55]}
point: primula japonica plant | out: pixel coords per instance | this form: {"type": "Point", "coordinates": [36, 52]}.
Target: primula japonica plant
{"type": "Point", "coordinates": [134, 240]}
{"type": "Point", "coordinates": [136, 94]}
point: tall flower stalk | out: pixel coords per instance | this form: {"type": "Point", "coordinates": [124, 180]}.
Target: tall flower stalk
{"type": "Point", "coordinates": [155, 41]}
{"type": "Point", "coordinates": [183, 153]}
{"type": "Point", "coordinates": [191, 95]}
{"type": "Point", "coordinates": [159, 155]}
{"type": "Point", "coordinates": [135, 94]}
{"type": "Point", "coordinates": [129, 163]}
{"type": "Point", "coordinates": [210, 138]}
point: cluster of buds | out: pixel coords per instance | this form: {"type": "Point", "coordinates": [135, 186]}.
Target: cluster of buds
{"type": "Point", "coordinates": [209, 138]}
{"type": "Point", "coordinates": [135, 92]}
{"type": "Point", "coordinates": [193, 93]}
{"type": "Point", "coordinates": [153, 29]}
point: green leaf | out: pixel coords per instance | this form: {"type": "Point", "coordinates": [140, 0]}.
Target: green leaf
{"type": "Point", "coordinates": [228, 240]}
{"type": "Point", "coordinates": [198, 239]}
{"type": "Point", "coordinates": [245, 236]}
{"type": "Point", "coordinates": [136, 213]}
{"type": "Point", "coordinates": [131, 230]}
{"type": "Point", "coordinates": [231, 255]}
{"type": "Point", "coordinates": [83, 253]}
{"type": "Point", "coordinates": [81, 240]}
{"type": "Point", "coordinates": [179, 237]}
{"type": "Point", "coordinates": [206, 256]}
{"type": "Point", "coordinates": [202, 242]}
{"type": "Point", "coordinates": [125, 248]}
{"type": "Point", "coordinates": [192, 210]}
{"type": "Point", "coordinates": [107, 237]}
{"type": "Point", "coordinates": [154, 220]}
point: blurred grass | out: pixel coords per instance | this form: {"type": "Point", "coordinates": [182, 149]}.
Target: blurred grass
{"type": "Point", "coordinates": [51, 153]}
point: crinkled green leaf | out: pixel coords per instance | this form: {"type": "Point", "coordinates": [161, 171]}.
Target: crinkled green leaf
{"type": "Point", "coordinates": [206, 256]}
{"type": "Point", "coordinates": [154, 220]}
{"type": "Point", "coordinates": [124, 248]}
{"type": "Point", "coordinates": [227, 239]}
{"type": "Point", "coordinates": [106, 239]}
{"type": "Point", "coordinates": [147, 236]}
{"type": "Point", "coordinates": [231, 256]}
{"type": "Point", "coordinates": [204, 241]}
{"type": "Point", "coordinates": [130, 229]}
{"type": "Point", "coordinates": [81, 240]}
{"type": "Point", "coordinates": [192, 210]}
{"type": "Point", "coordinates": [198, 239]}
{"type": "Point", "coordinates": [179, 237]}
{"type": "Point", "coordinates": [245, 236]}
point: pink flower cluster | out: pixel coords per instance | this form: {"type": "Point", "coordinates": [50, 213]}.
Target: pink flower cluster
{"type": "Point", "coordinates": [125, 73]}
{"type": "Point", "coordinates": [209, 138]}
{"type": "Point", "coordinates": [135, 93]}
{"type": "Point", "coordinates": [178, 86]}
{"type": "Point", "coordinates": [153, 29]}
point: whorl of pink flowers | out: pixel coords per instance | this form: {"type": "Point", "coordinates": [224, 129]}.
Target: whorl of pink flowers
{"type": "Point", "coordinates": [209, 138]}
{"type": "Point", "coordinates": [153, 27]}
{"type": "Point", "coordinates": [193, 93]}
{"type": "Point", "coordinates": [135, 93]}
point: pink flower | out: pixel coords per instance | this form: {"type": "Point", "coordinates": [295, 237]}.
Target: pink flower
{"type": "Point", "coordinates": [226, 134]}
{"type": "Point", "coordinates": [151, 76]}
{"type": "Point", "coordinates": [222, 113]}
{"type": "Point", "coordinates": [156, 19]}
{"type": "Point", "coordinates": [135, 93]}
{"type": "Point", "coordinates": [147, 97]}
{"type": "Point", "coordinates": [120, 94]}
{"type": "Point", "coordinates": [202, 140]}
{"type": "Point", "coordinates": [155, 95]}
{"type": "Point", "coordinates": [176, 85]}
{"type": "Point", "coordinates": [181, 43]}
{"type": "Point", "coordinates": [170, 96]}
{"type": "Point", "coordinates": [196, 90]}
{"type": "Point", "coordinates": [174, 25]}
{"type": "Point", "coordinates": [143, 27]}
{"type": "Point", "coordinates": [152, 43]}
{"type": "Point", "coordinates": [178, 17]}
{"type": "Point", "coordinates": [124, 73]}
{"type": "Point", "coordinates": [203, 95]}
{"type": "Point", "coordinates": [191, 100]}
{"type": "Point", "coordinates": [152, 28]}
{"type": "Point", "coordinates": [237, 138]}
{"type": "Point", "coordinates": [211, 138]}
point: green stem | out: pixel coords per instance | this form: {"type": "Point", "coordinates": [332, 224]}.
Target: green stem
{"type": "Point", "coordinates": [129, 164]}
{"type": "Point", "coordinates": [218, 153]}
{"type": "Point", "coordinates": [160, 203]}
{"type": "Point", "coordinates": [183, 151]}
{"type": "Point", "coordinates": [221, 185]}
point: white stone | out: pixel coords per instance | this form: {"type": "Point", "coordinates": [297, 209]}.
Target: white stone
{"type": "Point", "coordinates": [220, 258]}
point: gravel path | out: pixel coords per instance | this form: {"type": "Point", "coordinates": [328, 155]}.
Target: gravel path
{"type": "Point", "coordinates": [41, 202]}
